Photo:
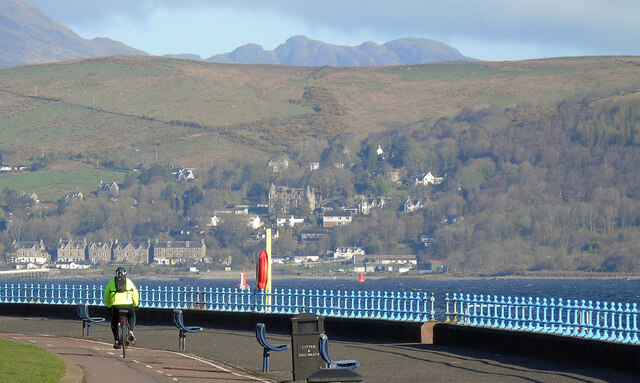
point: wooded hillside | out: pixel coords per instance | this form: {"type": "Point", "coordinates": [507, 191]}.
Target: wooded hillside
{"type": "Point", "coordinates": [539, 159]}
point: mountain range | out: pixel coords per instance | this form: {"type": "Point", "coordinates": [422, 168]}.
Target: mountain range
{"type": "Point", "coordinates": [302, 51]}
{"type": "Point", "coordinates": [29, 36]}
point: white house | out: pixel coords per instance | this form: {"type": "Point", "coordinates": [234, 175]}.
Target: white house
{"type": "Point", "coordinates": [412, 204]}
{"type": "Point", "coordinates": [36, 261]}
{"type": "Point", "coordinates": [336, 219]}
{"type": "Point", "coordinates": [303, 258]}
{"type": "Point", "coordinates": [215, 221]}
{"type": "Point", "coordinates": [72, 265]}
{"type": "Point", "coordinates": [366, 204]}
{"type": "Point", "coordinates": [426, 179]}
{"type": "Point", "coordinates": [279, 260]}
{"type": "Point", "coordinates": [290, 221]}
{"type": "Point", "coordinates": [28, 266]}
{"type": "Point", "coordinates": [347, 252]}
{"type": "Point", "coordinates": [387, 259]}
{"type": "Point", "coordinates": [254, 222]}
{"type": "Point", "coordinates": [183, 174]}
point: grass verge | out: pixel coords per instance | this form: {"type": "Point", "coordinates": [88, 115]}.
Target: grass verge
{"type": "Point", "coordinates": [28, 363]}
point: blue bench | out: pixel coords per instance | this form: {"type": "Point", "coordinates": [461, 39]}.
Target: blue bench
{"type": "Point", "coordinates": [87, 320]}
{"type": "Point", "coordinates": [323, 340]}
{"type": "Point", "coordinates": [338, 371]}
{"type": "Point", "coordinates": [179, 323]}
{"type": "Point", "coordinates": [267, 348]}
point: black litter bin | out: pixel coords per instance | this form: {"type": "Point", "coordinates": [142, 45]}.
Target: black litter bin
{"type": "Point", "coordinates": [305, 331]}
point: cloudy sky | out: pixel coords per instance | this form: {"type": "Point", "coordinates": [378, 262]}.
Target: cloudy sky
{"type": "Point", "coordinates": [492, 30]}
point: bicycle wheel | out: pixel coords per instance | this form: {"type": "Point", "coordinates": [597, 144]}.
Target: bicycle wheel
{"type": "Point", "coordinates": [124, 336]}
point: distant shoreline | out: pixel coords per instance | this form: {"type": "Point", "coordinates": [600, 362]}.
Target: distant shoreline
{"type": "Point", "coordinates": [103, 274]}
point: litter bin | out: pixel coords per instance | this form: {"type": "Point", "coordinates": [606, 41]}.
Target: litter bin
{"type": "Point", "coordinates": [305, 331]}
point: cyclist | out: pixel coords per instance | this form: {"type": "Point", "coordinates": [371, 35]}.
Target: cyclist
{"type": "Point", "coordinates": [121, 294]}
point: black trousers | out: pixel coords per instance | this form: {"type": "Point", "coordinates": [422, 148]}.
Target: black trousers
{"type": "Point", "coordinates": [115, 316]}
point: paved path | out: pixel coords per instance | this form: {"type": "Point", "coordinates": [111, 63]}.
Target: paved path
{"type": "Point", "coordinates": [98, 362]}
{"type": "Point", "coordinates": [222, 355]}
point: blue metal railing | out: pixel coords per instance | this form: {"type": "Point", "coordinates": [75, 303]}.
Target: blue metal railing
{"type": "Point", "coordinates": [607, 321]}
{"type": "Point", "coordinates": [400, 306]}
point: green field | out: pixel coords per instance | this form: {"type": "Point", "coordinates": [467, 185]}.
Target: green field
{"type": "Point", "coordinates": [23, 363]}
{"type": "Point", "coordinates": [53, 185]}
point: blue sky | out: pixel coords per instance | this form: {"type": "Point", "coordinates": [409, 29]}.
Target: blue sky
{"type": "Point", "coordinates": [492, 30]}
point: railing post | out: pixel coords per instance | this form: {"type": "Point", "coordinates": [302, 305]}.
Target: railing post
{"type": "Point", "coordinates": [537, 316]}
{"type": "Point", "coordinates": [597, 326]}
{"type": "Point", "coordinates": [12, 293]}
{"type": "Point", "coordinates": [384, 305]}
{"type": "Point", "coordinates": [620, 327]}
{"type": "Point", "coordinates": [590, 325]}
{"type": "Point", "coordinates": [496, 307]}
{"type": "Point", "coordinates": [627, 328]}
{"type": "Point", "coordinates": [432, 298]}
{"type": "Point", "coordinates": [352, 305]}
{"type": "Point", "coordinates": [456, 306]}
{"type": "Point", "coordinates": [447, 313]}
{"type": "Point", "coordinates": [612, 322]}
{"type": "Point", "coordinates": [481, 305]}
{"type": "Point", "coordinates": [464, 309]}
{"type": "Point", "coordinates": [634, 314]}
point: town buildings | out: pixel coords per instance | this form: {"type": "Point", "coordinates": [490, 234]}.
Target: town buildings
{"type": "Point", "coordinates": [77, 253]}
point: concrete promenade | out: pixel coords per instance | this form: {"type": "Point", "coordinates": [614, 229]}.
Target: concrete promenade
{"type": "Point", "coordinates": [226, 355]}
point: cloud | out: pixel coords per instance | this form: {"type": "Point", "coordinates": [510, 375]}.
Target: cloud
{"type": "Point", "coordinates": [571, 26]}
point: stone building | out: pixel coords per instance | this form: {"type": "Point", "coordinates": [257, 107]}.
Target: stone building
{"type": "Point", "coordinates": [100, 253]}
{"type": "Point", "coordinates": [178, 252]}
{"type": "Point", "coordinates": [28, 252]}
{"type": "Point", "coordinates": [288, 198]}
{"type": "Point", "coordinates": [71, 251]}
{"type": "Point", "coordinates": [132, 252]}
{"type": "Point", "coordinates": [110, 189]}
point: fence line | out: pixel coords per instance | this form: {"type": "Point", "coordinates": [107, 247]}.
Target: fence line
{"type": "Point", "coordinates": [388, 305]}
{"type": "Point", "coordinates": [609, 321]}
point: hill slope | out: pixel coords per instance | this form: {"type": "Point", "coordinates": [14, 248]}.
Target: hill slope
{"type": "Point", "coordinates": [194, 112]}
{"type": "Point", "coordinates": [29, 36]}
{"type": "Point", "coordinates": [302, 51]}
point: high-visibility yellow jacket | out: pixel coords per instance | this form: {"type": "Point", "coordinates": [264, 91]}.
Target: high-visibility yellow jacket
{"type": "Point", "coordinates": [128, 297]}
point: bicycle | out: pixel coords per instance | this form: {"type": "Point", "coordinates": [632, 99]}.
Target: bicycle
{"type": "Point", "coordinates": [123, 331]}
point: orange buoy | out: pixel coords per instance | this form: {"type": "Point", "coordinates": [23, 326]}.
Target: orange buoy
{"type": "Point", "coordinates": [361, 279]}
{"type": "Point", "coordinates": [262, 270]}
{"type": "Point", "coordinates": [243, 282]}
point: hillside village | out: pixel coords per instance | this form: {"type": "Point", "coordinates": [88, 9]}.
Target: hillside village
{"type": "Point", "coordinates": [299, 213]}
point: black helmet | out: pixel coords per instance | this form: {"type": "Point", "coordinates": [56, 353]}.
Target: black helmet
{"type": "Point", "coordinates": [121, 271]}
